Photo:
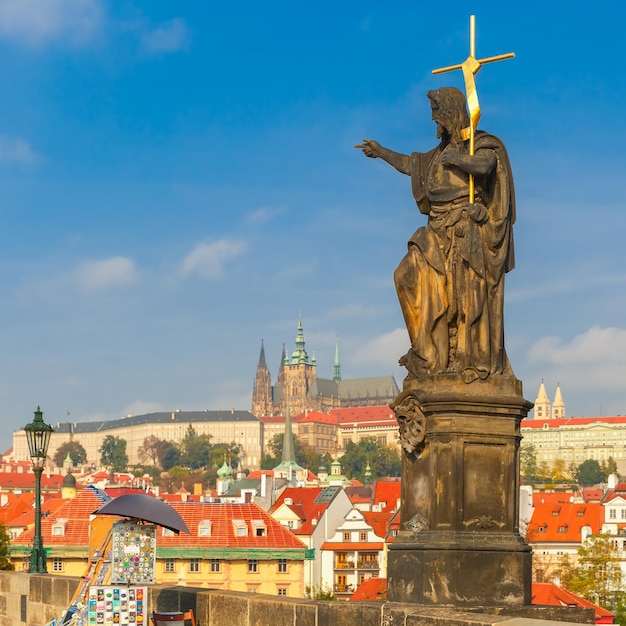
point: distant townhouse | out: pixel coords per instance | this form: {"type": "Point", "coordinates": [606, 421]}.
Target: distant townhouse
{"type": "Point", "coordinates": [558, 528]}
{"type": "Point", "coordinates": [312, 514]}
{"type": "Point", "coordinates": [352, 554]}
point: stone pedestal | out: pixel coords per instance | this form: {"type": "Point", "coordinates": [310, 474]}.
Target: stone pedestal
{"type": "Point", "coordinates": [459, 542]}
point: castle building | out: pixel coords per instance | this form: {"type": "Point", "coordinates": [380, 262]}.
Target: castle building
{"type": "Point", "coordinates": [299, 388]}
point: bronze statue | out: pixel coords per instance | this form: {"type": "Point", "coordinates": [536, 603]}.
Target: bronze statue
{"type": "Point", "coordinates": [451, 282]}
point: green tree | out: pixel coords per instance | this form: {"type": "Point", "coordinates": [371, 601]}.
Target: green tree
{"type": "Point", "coordinates": [383, 460]}
{"type": "Point", "coordinates": [5, 550]}
{"type": "Point", "coordinates": [275, 446]}
{"type": "Point", "coordinates": [113, 453]}
{"type": "Point", "coordinates": [220, 451]}
{"type": "Point", "coordinates": [598, 575]}
{"type": "Point", "coordinates": [528, 463]}
{"type": "Point", "coordinates": [590, 473]}
{"type": "Point", "coordinates": [195, 449]}
{"type": "Point", "coordinates": [169, 454]}
{"type": "Point", "coordinates": [610, 467]}
{"type": "Point", "coordinates": [74, 449]}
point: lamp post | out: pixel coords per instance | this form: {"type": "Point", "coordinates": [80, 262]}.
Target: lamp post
{"type": "Point", "coordinates": [38, 437]}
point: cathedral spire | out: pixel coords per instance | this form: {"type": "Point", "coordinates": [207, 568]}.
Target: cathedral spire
{"type": "Point", "coordinates": [558, 406]}
{"type": "Point", "coordinates": [542, 404]}
{"type": "Point", "coordinates": [262, 390]}
{"type": "Point", "coordinates": [262, 355]}
{"type": "Point", "coordinates": [289, 449]}
{"type": "Point", "coordinates": [300, 355]}
{"type": "Point", "coordinates": [337, 366]}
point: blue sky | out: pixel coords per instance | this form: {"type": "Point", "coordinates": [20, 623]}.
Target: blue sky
{"type": "Point", "coordinates": [178, 181]}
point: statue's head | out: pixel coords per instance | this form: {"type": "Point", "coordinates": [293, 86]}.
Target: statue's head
{"type": "Point", "coordinates": [449, 110]}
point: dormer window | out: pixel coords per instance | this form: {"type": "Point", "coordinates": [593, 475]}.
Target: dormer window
{"type": "Point", "coordinates": [58, 528]}
{"type": "Point", "coordinates": [167, 532]}
{"type": "Point", "coordinates": [259, 528]}
{"type": "Point", "coordinates": [240, 528]}
{"type": "Point", "coordinates": [204, 528]}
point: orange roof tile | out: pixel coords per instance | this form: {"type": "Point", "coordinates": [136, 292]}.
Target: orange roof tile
{"type": "Point", "coordinates": [562, 522]}
{"type": "Point", "coordinates": [371, 589]}
{"type": "Point", "coordinates": [379, 522]}
{"type": "Point", "coordinates": [552, 595]}
{"type": "Point", "coordinates": [387, 491]}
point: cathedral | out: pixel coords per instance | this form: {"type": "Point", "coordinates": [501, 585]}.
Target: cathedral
{"type": "Point", "coordinates": [298, 388]}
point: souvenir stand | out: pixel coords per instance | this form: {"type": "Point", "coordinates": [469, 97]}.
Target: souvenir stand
{"type": "Point", "coordinates": [114, 591]}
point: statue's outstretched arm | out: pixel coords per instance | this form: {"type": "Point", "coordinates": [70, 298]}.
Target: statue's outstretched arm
{"type": "Point", "coordinates": [374, 150]}
{"type": "Point", "coordinates": [479, 164]}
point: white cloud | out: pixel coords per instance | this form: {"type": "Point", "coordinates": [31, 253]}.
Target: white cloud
{"type": "Point", "coordinates": [595, 359]}
{"type": "Point", "coordinates": [207, 259]}
{"type": "Point", "coordinates": [106, 274]}
{"type": "Point", "coordinates": [36, 23]}
{"type": "Point", "coordinates": [382, 351]}
{"type": "Point", "coordinates": [264, 215]}
{"type": "Point", "coordinates": [141, 407]}
{"type": "Point", "coordinates": [169, 37]}
{"type": "Point", "coordinates": [16, 150]}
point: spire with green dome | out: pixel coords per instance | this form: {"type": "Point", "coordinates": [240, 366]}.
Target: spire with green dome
{"type": "Point", "coordinates": [299, 354]}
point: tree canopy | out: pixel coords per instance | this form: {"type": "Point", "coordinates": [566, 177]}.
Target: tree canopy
{"type": "Point", "coordinates": [384, 460]}
{"type": "Point", "coordinates": [5, 550]}
{"type": "Point", "coordinates": [113, 453]}
{"type": "Point", "coordinates": [590, 473]}
{"type": "Point", "coordinates": [74, 449]}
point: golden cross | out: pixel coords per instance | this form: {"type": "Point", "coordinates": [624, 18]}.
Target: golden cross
{"type": "Point", "coordinates": [470, 68]}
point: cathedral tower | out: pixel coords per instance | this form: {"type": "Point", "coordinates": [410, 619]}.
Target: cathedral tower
{"type": "Point", "coordinates": [262, 392]}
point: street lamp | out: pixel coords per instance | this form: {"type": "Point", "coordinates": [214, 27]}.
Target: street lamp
{"type": "Point", "coordinates": [38, 437]}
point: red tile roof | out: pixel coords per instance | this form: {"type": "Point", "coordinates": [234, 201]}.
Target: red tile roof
{"type": "Point", "coordinates": [371, 589]}
{"type": "Point", "coordinates": [572, 421]}
{"type": "Point", "coordinates": [387, 491]}
{"type": "Point", "coordinates": [222, 534]}
{"type": "Point", "coordinates": [562, 522]}
{"type": "Point", "coordinates": [304, 506]}
{"type": "Point", "coordinates": [318, 418]}
{"type": "Point", "coordinates": [380, 415]}
{"type": "Point", "coordinates": [76, 511]}
{"type": "Point", "coordinates": [379, 522]}
{"type": "Point", "coordinates": [552, 595]}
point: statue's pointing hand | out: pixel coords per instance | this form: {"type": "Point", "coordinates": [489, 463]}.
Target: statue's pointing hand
{"type": "Point", "coordinates": [370, 148]}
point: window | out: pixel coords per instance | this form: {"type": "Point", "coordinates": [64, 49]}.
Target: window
{"type": "Point", "coordinates": [204, 528]}
{"type": "Point", "coordinates": [240, 528]}
{"type": "Point", "coordinates": [58, 528]}
{"type": "Point", "coordinates": [346, 536]}
{"type": "Point", "coordinates": [57, 564]}
{"type": "Point", "coordinates": [258, 528]}
{"type": "Point", "coordinates": [282, 591]}
{"type": "Point", "coordinates": [216, 565]}
{"type": "Point", "coordinates": [562, 529]}
{"type": "Point", "coordinates": [167, 532]}
{"type": "Point", "coordinates": [194, 565]}
{"type": "Point", "coordinates": [253, 566]}
{"type": "Point", "coordinates": [612, 513]}
{"type": "Point", "coordinates": [282, 566]}
{"type": "Point", "coordinates": [169, 565]}
{"type": "Point", "coordinates": [362, 536]}
{"type": "Point", "coordinates": [623, 513]}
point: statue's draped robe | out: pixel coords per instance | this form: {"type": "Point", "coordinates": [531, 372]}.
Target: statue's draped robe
{"type": "Point", "coordinates": [451, 282]}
